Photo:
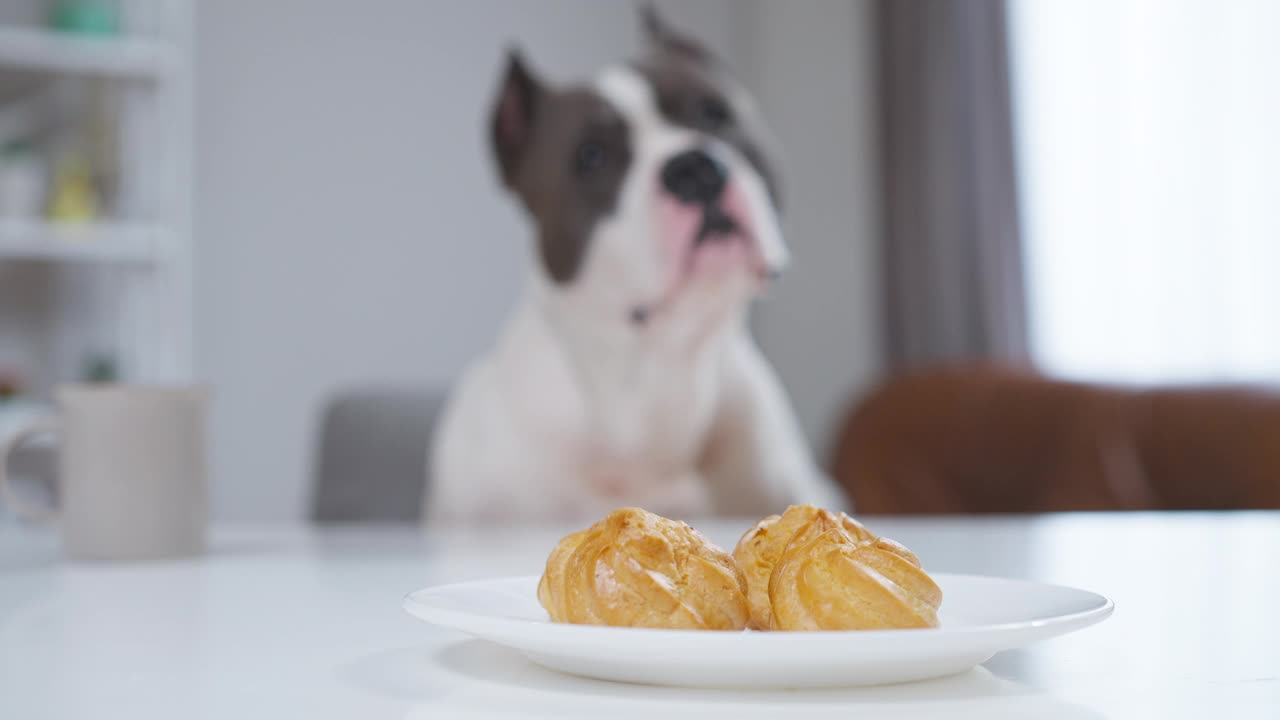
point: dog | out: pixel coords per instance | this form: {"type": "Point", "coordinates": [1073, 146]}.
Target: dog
{"type": "Point", "coordinates": [626, 375]}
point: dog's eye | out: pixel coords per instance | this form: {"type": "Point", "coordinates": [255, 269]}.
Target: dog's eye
{"type": "Point", "coordinates": [589, 157]}
{"type": "Point", "coordinates": [712, 113]}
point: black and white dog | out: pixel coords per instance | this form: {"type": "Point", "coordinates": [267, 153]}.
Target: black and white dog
{"type": "Point", "coordinates": [627, 375]}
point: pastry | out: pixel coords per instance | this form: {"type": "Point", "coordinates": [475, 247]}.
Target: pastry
{"type": "Point", "coordinates": [762, 546]}
{"type": "Point", "coordinates": [636, 569]}
{"type": "Point", "coordinates": [830, 583]}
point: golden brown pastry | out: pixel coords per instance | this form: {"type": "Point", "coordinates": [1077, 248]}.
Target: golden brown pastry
{"type": "Point", "coordinates": [830, 583]}
{"type": "Point", "coordinates": [637, 569]}
{"type": "Point", "coordinates": [762, 546]}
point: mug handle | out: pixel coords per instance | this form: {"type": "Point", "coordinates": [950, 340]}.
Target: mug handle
{"type": "Point", "coordinates": [36, 427]}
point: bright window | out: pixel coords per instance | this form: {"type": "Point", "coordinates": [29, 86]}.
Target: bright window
{"type": "Point", "coordinates": [1149, 152]}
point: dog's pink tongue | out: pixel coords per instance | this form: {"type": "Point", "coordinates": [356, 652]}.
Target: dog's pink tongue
{"type": "Point", "coordinates": [679, 225]}
{"type": "Point", "coordinates": [737, 208]}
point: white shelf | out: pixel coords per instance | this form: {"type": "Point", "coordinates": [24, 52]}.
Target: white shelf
{"type": "Point", "coordinates": [140, 316]}
{"type": "Point", "coordinates": [92, 242]}
{"type": "Point", "coordinates": [117, 56]}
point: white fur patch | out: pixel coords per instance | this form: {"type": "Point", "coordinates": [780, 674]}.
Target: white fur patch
{"type": "Point", "coordinates": [631, 94]}
{"type": "Point", "coordinates": [625, 265]}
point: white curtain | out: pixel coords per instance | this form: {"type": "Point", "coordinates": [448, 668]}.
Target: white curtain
{"type": "Point", "coordinates": [1149, 161]}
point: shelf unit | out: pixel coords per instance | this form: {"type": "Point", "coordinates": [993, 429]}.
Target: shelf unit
{"type": "Point", "coordinates": [121, 57]}
{"type": "Point", "coordinates": [121, 285]}
{"type": "Point", "coordinates": [105, 242]}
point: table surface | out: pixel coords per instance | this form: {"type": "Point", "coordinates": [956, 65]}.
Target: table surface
{"type": "Point", "coordinates": [307, 623]}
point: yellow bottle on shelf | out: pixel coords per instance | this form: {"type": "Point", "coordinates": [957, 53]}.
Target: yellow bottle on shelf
{"type": "Point", "coordinates": [74, 197]}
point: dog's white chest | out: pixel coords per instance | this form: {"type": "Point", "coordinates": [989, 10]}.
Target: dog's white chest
{"type": "Point", "coordinates": [620, 428]}
{"type": "Point", "coordinates": [650, 414]}
{"type": "Point", "coordinates": [539, 430]}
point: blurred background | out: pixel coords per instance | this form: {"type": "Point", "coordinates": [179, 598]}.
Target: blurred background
{"type": "Point", "coordinates": [1033, 241]}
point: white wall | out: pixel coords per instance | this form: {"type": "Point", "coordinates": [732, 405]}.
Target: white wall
{"type": "Point", "coordinates": [350, 230]}
{"type": "Point", "coordinates": [813, 68]}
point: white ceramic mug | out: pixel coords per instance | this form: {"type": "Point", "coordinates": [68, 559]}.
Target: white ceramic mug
{"type": "Point", "coordinates": [131, 479]}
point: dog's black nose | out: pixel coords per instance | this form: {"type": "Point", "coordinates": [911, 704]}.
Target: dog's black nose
{"type": "Point", "coordinates": [694, 177]}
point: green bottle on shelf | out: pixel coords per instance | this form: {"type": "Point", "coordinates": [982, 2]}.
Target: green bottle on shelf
{"type": "Point", "coordinates": [85, 17]}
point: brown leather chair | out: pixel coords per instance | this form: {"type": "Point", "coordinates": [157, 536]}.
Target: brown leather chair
{"type": "Point", "coordinates": [985, 439]}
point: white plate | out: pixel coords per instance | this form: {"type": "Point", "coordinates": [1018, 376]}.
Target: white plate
{"type": "Point", "coordinates": [980, 617]}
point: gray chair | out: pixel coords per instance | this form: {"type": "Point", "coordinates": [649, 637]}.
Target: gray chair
{"type": "Point", "coordinates": [370, 462]}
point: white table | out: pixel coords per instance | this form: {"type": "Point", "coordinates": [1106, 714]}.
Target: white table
{"type": "Point", "coordinates": [307, 624]}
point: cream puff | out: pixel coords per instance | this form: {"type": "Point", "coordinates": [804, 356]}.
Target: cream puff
{"type": "Point", "coordinates": [830, 583]}
{"type": "Point", "coordinates": [637, 569]}
{"type": "Point", "coordinates": [762, 547]}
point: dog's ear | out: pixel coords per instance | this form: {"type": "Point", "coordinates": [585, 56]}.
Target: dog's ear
{"type": "Point", "coordinates": [663, 38]}
{"type": "Point", "coordinates": [514, 114]}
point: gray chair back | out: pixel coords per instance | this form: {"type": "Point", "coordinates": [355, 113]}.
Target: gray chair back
{"type": "Point", "coordinates": [371, 456]}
